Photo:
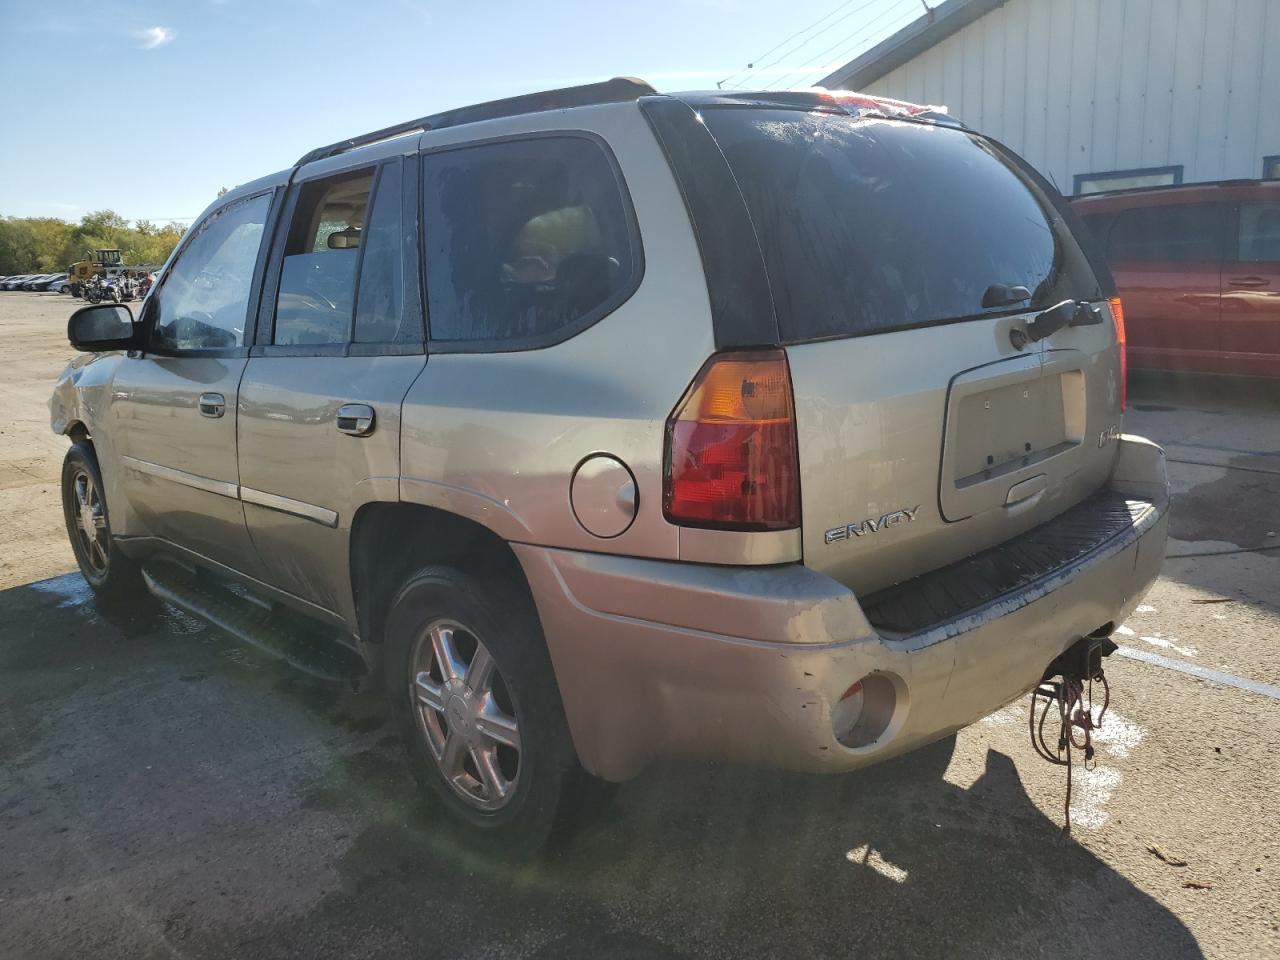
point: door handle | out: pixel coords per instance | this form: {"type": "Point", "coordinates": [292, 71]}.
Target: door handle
{"type": "Point", "coordinates": [355, 419]}
{"type": "Point", "coordinates": [212, 405]}
{"type": "Point", "coordinates": [1249, 282]}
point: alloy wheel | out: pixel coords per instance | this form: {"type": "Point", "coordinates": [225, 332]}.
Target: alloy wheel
{"type": "Point", "coordinates": [90, 522]}
{"type": "Point", "coordinates": [466, 714]}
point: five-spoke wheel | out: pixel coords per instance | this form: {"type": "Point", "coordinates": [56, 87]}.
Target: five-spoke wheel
{"type": "Point", "coordinates": [466, 714]}
{"type": "Point", "coordinates": [478, 705]}
{"type": "Point", "coordinates": [113, 576]}
{"type": "Point", "coordinates": [90, 520]}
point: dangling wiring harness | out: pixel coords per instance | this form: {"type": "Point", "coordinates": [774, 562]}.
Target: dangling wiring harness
{"type": "Point", "coordinates": [1073, 695]}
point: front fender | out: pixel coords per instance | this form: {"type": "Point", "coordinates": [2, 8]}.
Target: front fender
{"type": "Point", "coordinates": [82, 392]}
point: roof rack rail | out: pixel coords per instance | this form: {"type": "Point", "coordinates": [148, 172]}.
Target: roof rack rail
{"type": "Point", "coordinates": [617, 90]}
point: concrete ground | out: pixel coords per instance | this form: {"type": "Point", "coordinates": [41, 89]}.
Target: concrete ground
{"type": "Point", "coordinates": [167, 793]}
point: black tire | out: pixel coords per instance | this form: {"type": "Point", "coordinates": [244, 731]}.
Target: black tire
{"type": "Point", "coordinates": [114, 577]}
{"type": "Point", "coordinates": [499, 616]}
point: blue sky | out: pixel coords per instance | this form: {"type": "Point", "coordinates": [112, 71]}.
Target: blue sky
{"type": "Point", "coordinates": [149, 107]}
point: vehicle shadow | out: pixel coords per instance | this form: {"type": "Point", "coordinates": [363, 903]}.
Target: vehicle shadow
{"type": "Point", "coordinates": [696, 859]}
{"type": "Point", "coordinates": [690, 860]}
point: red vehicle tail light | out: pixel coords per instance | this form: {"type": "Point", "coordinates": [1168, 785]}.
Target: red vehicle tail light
{"type": "Point", "coordinates": [1117, 314]}
{"type": "Point", "coordinates": [731, 459]}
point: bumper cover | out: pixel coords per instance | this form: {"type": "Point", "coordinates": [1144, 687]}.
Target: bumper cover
{"type": "Point", "coordinates": [656, 658]}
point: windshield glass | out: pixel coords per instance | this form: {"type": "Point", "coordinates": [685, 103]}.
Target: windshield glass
{"type": "Point", "coordinates": [875, 225]}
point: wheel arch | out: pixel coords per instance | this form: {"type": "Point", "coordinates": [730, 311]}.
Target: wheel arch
{"type": "Point", "coordinates": [389, 540]}
{"type": "Point", "coordinates": [77, 432]}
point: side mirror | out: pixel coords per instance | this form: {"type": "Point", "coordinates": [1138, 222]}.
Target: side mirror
{"type": "Point", "coordinates": [102, 326]}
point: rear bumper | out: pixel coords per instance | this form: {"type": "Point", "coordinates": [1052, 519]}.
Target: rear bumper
{"type": "Point", "coordinates": [657, 658]}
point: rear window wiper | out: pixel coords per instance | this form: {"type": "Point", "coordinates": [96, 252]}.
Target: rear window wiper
{"type": "Point", "coordinates": [1004, 295]}
{"type": "Point", "coordinates": [1068, 313]}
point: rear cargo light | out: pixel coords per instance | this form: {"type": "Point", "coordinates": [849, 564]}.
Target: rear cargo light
{"type": "Point", "coordinates": [731, 458]}
{"type": "Point", "coordinates": [1117, 315]}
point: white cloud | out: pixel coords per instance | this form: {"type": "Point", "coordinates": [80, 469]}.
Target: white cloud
{"type": "Point", "coordinates": [153, 37]}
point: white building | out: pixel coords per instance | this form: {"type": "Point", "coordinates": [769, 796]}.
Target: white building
{"type": "Point", "coordinates": [1098, 94]}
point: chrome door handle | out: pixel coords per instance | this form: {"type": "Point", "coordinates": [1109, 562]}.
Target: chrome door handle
{"type": "Point", "coordinates": [355, 419]}
{"type": "Point", "coordinates": [1249, 282]}
{"type": "Point", "coordinates": [212, 405]}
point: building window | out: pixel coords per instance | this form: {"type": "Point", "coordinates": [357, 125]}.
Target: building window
{"type": "Point", "coordinates": [1271, 168]}
{"type": "Point", "coordinates": [1127, 179]}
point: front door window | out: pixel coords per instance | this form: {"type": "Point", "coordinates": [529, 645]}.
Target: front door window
{"type": "Point", "coordinates": [205, 297]}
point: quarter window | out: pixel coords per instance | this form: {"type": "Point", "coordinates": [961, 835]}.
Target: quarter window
{"type": "Point", "coordinates": [204, 300]}
{"type": "Point", "coordinates": [1169, 233]}
{"type": "Point", "coordinates": [1260, 232]}
{"type": "Point", "coordinates": [380, 309]}
{"type": "Point", "coordinates": [526, 241]}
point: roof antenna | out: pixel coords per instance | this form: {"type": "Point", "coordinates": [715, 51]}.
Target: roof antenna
{"type": "Point", "coordinates": [928, 11]}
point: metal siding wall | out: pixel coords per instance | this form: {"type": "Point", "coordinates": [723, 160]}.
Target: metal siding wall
{"type": "Point", "coordinates": [1212, 133]}
{"type": "Point", "coordinates": [1133, 85]}
{"type": "Point", "coordinates": [1268, 133]}
{"type": "Point", "coordinates": [993, 67]}
{"type": "Point", "coordinates": [1088, 86]}
{"type": "Point", "coordinates": [1058, 115]}
{"type": "Point", "coordinates": [1015, 73]}
{"type": "Point", "coordinates": [1162, 66]}
{"type": "Point", "coordinates": [1035, 146]}
{"type": "Point", "coordinates": [1104, 150]}
{"type": "Point", "coordinates": [1245, 100]}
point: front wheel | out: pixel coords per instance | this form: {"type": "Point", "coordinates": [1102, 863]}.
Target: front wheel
{"type": "Point", "coordinates": [478, 707]}
{"type": "Point", "coordinates": [113, 576]}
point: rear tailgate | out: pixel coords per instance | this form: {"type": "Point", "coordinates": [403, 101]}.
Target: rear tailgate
{"type": "Point", "coordinates": [925, 435]}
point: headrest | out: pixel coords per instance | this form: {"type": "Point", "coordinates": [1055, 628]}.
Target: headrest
{"type": "Point", "coordinates": [344, 239]}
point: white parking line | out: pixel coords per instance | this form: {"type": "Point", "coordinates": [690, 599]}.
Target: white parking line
{"type": "Point", "coordinates": [1195, 670]}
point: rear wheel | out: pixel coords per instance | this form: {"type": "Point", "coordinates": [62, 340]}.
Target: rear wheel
{"type": "Point", "coordinates": [478, 707]}
{"type": "Point", "coordinates": [113, 576]}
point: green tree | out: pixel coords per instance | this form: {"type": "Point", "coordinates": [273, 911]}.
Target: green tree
{"type": "Point", "coordinates": [46, 244]}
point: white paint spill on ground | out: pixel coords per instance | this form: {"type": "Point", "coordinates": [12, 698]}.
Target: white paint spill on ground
{"type": "Point", "coordinates": [1015, 712]}
{"type": "Point", "coordinates": [1118, 735]}
{"type": "Point", "coordinates": [866, 856]}
{"type": "Point", "coordinates": [1116, 739]}
{"type": "Point", "coordinates": [1091, 789]}
{"type": "Point", "coordinates": [1124, 631]}
{"type": "Point", "coordinates": [1145, 608]}
{"type": "Point", "coordinates": [1170, 643]}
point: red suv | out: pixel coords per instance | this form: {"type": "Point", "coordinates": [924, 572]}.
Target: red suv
{"type": "Point", "coordinates": [1198, 270]}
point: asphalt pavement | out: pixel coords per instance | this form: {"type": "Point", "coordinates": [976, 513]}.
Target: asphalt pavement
{"type": "Point", "coordinates": [165, 792]}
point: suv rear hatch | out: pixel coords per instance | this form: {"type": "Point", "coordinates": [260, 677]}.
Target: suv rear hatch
{"type": "Point", "coordinates": [925, 435]}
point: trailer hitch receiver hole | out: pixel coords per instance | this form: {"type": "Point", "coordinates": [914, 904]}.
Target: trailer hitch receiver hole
{"type": "Point", "coordinates": [865, 711]}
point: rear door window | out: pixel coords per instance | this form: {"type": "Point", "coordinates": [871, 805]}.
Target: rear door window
{"type": "Point", "coordinates": [527, 241]}
{"type": "Point", "coordinates": [1177, 233]}
{"type": "Point", "coordinates": [875, 225]}
{"type": "Point", "coordinates": [1259, 239]}
{"type": "Point", "coordinates": [322, 253]}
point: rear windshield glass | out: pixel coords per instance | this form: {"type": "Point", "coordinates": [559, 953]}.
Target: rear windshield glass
{"type": "Point", "coordinates": [875, 225]}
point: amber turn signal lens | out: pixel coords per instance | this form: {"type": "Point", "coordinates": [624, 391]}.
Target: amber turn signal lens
{"type": "Point", "coordinates": [1117, 316]}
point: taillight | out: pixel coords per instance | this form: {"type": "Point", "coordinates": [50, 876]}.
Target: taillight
{"type": "Point", "coordinates": [731, 458]}
{"type": "Point", "coordinates": [1117, 315]}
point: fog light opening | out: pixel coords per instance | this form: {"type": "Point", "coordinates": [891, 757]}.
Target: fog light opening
{"type": "Point", "coordinates": [864, 713]}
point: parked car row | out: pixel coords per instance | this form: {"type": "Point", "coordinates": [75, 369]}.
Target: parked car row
{"type": "Point", "coordinates": [53, 282]}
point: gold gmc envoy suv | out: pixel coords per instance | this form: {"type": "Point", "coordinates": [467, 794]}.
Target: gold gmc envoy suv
{"type": "Point", "coordinates": [599, 425]}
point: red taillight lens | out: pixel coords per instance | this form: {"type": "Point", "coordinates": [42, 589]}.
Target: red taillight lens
{"type": "Point", "coordinates": [731, 447]}
{"type": "Point", "coordinates": [1117, 315]}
